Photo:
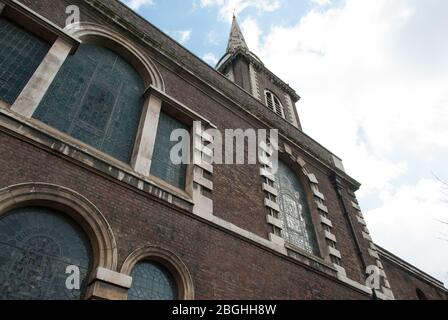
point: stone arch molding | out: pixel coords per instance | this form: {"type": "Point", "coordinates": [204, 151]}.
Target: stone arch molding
{"type": "Point", "coordinates": [167, 259]}
{"type": "Point", "coordinates": [72, 204]}
{"type": "Point", "coordinates": [96, 34]}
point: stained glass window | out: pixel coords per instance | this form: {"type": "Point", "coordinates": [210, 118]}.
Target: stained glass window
{"type": "Point", "coordinates": [96, 97]}
{"type": "Point", "coordinates": [151, 281]}
{"type": "Point", "coordinates": [161, 165]}
{"type": "Point", "coordinates": [36, 246]}
{"type": "Point", "coordinates": [294, 211]}
{"type": "Point", "coordinates": [20, 54]}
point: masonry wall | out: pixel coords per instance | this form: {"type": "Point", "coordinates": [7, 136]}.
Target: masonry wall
{"type": "Point", "coordinates": [223, 265]}
{"type": "Point", "coordinates": [405, 284]}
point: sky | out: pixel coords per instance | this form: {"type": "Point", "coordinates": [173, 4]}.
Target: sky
{"type": "Point", "coordinates": [373, 77]}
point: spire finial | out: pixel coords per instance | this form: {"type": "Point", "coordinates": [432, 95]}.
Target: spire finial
{"type": "Point", "coordinates": [236, 39]}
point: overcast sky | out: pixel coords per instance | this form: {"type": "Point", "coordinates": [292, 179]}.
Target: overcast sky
{"type": "Point", "coordinates": [373, 76]}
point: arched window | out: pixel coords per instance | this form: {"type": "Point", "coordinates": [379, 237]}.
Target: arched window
{"type": "Point", "coordinates": [36, 246]}
{"type": "Point", "coordinates": [274, 104]}
{"type": "Point", "coordinates": [97, 98]}
{"type": "Point", "coordinates": [152, 281]}
{"type": "Point", "coordinates": [20, 54]}
{"type": "Point", "coordinates": [294, 211]}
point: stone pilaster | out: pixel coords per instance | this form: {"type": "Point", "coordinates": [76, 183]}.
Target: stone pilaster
{"type": "Point", "coordinates": [146, 136]}
{"type": "Point", "coordinates": [31, 96]}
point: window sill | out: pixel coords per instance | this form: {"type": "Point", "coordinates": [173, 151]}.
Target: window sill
{"type": "Point", "coordinates": [310, 259]}
{"type": "Point", "coordinates": [66, 146]}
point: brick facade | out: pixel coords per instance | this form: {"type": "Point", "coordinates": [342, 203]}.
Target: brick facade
{"type": "Point", "coordinates": [229, 255]}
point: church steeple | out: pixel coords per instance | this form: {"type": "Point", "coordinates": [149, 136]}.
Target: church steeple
{"type": "Point", "coordinates": [246, 70]}
{"type": "Point", "coordinates": [236, 39]}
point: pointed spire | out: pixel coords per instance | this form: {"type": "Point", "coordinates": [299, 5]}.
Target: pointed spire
{"type": "Point", "coordinates": [236, 39]}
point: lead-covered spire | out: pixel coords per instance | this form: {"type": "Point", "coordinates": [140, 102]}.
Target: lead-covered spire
{"type": "Point", "coordinates": [236, 39]}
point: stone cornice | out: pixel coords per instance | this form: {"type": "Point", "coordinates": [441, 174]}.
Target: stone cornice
{"type": "Point", "coordinates": [410, 268]}
{"type": "Point", "coordinates": [259, 65]}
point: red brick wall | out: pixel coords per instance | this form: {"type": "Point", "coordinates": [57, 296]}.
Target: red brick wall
{"type": "Point", "coordinates": [222, 265]}
{"type": "Point", "coordinates": [404, 284]}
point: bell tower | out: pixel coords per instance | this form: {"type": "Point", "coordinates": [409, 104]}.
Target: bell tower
{"type": "Point", "coordinates": [246, 70]}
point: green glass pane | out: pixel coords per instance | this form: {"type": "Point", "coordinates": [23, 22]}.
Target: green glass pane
{"type": "Point", "coordinates": [20, 54]}
{"type": "Point", "coordinates": [36, 246]}
{"type": "Point", "coordinates": [151, 282]}
{"type": "Point", "coordinates": [96, 98]}
{"type": "Point", "coordinates": [294, 210]}
{"type": "Point", "coordinates": [161, 165]}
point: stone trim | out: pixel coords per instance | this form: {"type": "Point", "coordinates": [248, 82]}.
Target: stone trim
{"type": "Point", "coordinates": [73, 204]}
{"type": "Point", "coordinates": [202, 170]}
{"type": "Point", "coordinates": [386, 292]}
{"type": "Point", "coordinates": [271, 193]}
{"type": "Point", "coordinates": [169, 260]}
{"type": "Point", "coordinates": [113, 277]}
{"type": "Point", "coordinates": [229, 75]}
{"type": "Point", "coordinates": [291, 113]}
{"type": "Point", "coordinates": [146, 136]}
{"type": "Point", "coordinates": [98, 34]}
{"type": "Point", "coordinates": [270, 202]}
{"type": "Point", "coordinates": [51, 140]}
{"type": "Point", "coordinates": [36, 88]}
{"type": "Point", "coordinates": [39, 25]}
{"type": "Point", "coordinates": [254, 82]}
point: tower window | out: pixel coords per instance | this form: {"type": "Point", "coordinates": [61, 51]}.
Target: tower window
{"type": "Point", "coordinates": [273, 103]}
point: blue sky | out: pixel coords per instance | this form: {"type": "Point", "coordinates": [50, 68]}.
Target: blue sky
{"type": "Point", "coordinates": [373, 77]}
{"type": "Point", "coordinates": [203, 26]}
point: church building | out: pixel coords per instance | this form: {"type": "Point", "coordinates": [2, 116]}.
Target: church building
{"type": "Point", "coordinates": [92, 207]}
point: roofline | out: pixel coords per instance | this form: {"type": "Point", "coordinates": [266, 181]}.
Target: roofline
{"type": "Point", "coordinates": [410, 268]}
{"type": "Point", "coordinates": [226, 60]}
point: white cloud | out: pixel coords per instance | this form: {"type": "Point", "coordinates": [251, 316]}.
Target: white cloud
{"type": "Point", "coordinates": [228, 7]}
{"type": "Point", "coordinates": [408, 224]}
{"type": "Point", "coordinates": [252, 33]}
{"type": "Point", "coordinates": [321, 2]}
{"type": "Point", "coordinates": [373, 77]}
{"type": "Point", "coordinates": [214, 38]}
{"type": "Point", "coordinates": [137, 4]}
{"type": "Point", "coordinates": [210, 58]}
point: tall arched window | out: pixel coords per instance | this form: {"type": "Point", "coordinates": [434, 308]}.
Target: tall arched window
{"type": "Point", "coordinates": [274, 104]}
{"type": "Point", "coordinates": [36, 246]}
{"type": "Point", "coordinates": [151, 281]}
{"type": "Point", "coordinates": [96, 97]}
{"type": "Point", "coordinates": [20, 54]}
{"type": "Point", "coordinates": [294, 211]}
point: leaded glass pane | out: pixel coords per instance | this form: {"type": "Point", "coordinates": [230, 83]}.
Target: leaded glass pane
{"type": "Point", "coordinates": [20, 54]}
{"type": "Point", "coordinates": [36, 246]}
{"type": "Point", "coordinates": [96, 97]}
{"type": "Point", "coordinates": [151, 281]}
{"type": "Point", "coordinates": [298, 228]}
{"type": "Point", "coordinates": [161, 165]}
